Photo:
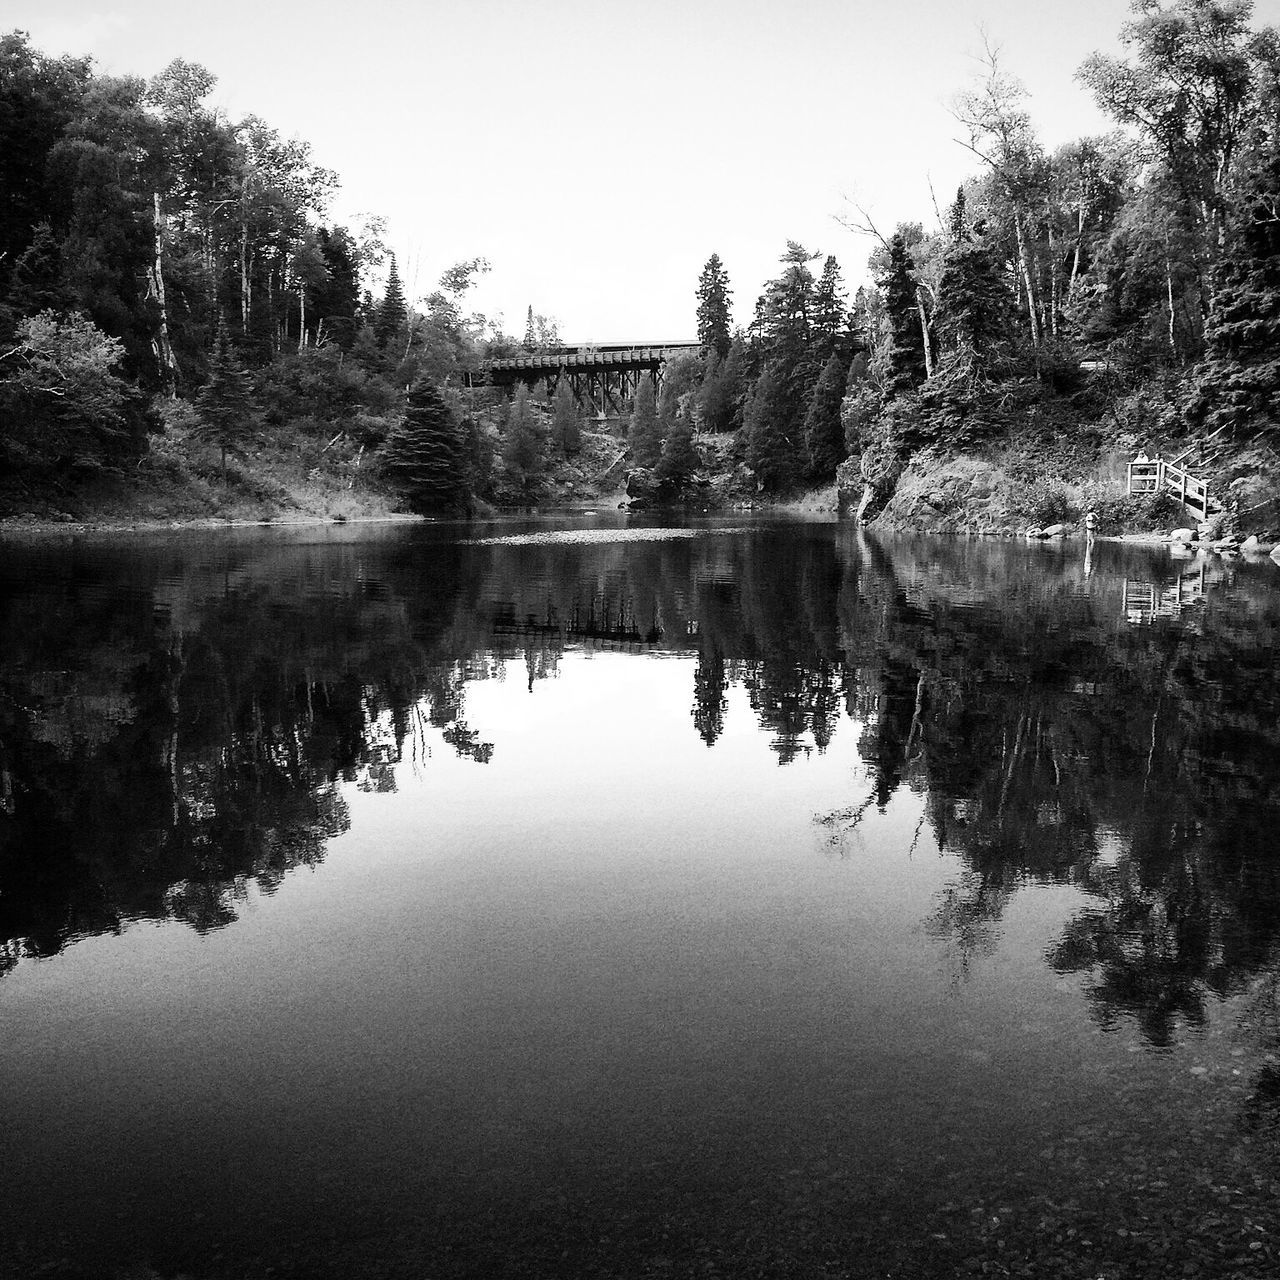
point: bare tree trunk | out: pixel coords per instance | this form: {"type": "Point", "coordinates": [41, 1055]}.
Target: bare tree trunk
{"type": "Point", "coordinates": [1168, 284]}
{"type": "Point", "coordinates": [1025, 266]}
{"type": "Point", "coordinates": [160, 344]}
{"type": "Point", "coordinates": [245, 286]}
{"type": "Point", "coordinates": [1075, 263]}
{"type": "Point", "coordinates": [1055, 284]}
{"type": "Point", "coordinates": [302, 314]}
{"type": "Point", "coordinates": [924, 333]}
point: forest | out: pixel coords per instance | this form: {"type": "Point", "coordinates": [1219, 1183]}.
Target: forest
{"type": "Point", "coordinates": [181, 317]}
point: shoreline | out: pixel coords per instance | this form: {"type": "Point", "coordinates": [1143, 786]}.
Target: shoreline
{"type": "Point", "coordinates": [12, 530]}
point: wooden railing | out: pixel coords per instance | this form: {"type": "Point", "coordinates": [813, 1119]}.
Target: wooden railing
{"type": "Point", "coordinates": [1159, 476]}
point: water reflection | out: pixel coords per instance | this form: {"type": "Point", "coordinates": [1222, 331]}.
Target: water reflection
{"type": "Point", "coordinates": [176, 727]}
{"type": "Point", "coordinates": [186, 725]}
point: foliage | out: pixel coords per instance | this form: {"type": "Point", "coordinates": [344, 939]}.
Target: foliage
{"type": "Point", "coordinates": [63, 405]}
{"type": "Point", "coordinates": [771, 452]}
{"type": "Point", "coordinates": [714, 319]}
{"type": "Point", "coordinates": [1043, 502]}
{"type": "Point", "coordinates": [974, 313]}
{"type": "Point", "coordinates": [1238, 385]}
{"type": "Point", "coordinates": [823, 429]}
{"type": "Point", "coordinates": [678, 463]}
{"type": "Point", "coordinates": [644, 435]}
{"type": "Point", "coordinates": [720, 395]}
{"type": "Point", "coordinates": [524, 445]}
{"type": "Point", "coordinates": [858, 413]}
{"type": "Point", "coordinates": [224, 403]}
{"type": "Point", "coordinates": [905, 365]}
{"type": "Point", "coordinates": [566, 430]}
{"type": "Point", "coordinates": [393, 313]}
{"type": "Point", "coordinates": [426, 455]}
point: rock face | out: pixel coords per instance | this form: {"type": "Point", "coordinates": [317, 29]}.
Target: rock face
{"type": "Point", "coordinates": [642, 485]}
{"type": "Point", "coordinates": [849, 484]}
{"type": "Point", "coordinates": [879, 471]}
{"type": "Point", "coordinates": [1182, 535]}
{"type": "Point", "coordinates": [950, 494]}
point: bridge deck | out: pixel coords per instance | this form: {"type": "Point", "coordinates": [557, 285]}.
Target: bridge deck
{"type": "Point", "coordinates": [614, 356]}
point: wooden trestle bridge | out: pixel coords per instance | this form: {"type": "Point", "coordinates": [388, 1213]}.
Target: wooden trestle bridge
{"type": "Point", "coordinates": [603, 377]}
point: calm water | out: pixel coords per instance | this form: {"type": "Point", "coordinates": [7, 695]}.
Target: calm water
{"type": "Point", "coordinates": [574, 897]}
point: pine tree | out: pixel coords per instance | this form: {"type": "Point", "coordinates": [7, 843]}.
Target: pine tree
{"type": "Point", "coordinates": [771, 453]}
{"type": "Point", "coordinates": [713, 307]}
{"type": "Point", "coordinates": [733, 384]}
{"type": "Point", "coordinates": [906, 364]}
{"type": "Point", "coordinates": [530, 342]}
{"type": "Point", "coordinates": [974, 315]}
{"type": "Point", "coordinates": [524, 445]}
{"type": "Point", "coordinates": [565, 427]}
{"type": "Point", "coordinates": [823, 429]}
{"type": "Point", "coordinates": [426, 455]}
{"type": "Point", "coordinates": [644, 437]}
{"type": "Point", "coordinates": [393, 313]}
{"type": "Point", "coordinates": [956, 228]}
{"type": "Point", "coordinates": [224, 402]}
{"type": "Point", "coordinates": [785, 320]}
{"type": "Point", "coordinates": [829, 315]}
{"type": "Point", "coordinates": [709, 683]}
{"type": "Point", "coordinates": [679, 460]}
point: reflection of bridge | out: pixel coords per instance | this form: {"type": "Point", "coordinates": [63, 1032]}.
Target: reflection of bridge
{"type": "Point", "coordinates": [602, 376]}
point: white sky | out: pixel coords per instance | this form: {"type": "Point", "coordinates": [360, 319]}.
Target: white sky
{"type": "Point", "coordinates": [598, 152]}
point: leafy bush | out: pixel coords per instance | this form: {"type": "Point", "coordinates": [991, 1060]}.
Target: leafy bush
{"type": "Point", "coordinates": [1043, 502]}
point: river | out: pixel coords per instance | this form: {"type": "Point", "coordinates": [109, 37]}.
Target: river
{"type": "Point", "coordinates": [578, 896]}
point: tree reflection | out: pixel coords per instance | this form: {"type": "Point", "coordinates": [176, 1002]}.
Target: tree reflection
{"type": "Point", "coordinates": [167, 747]}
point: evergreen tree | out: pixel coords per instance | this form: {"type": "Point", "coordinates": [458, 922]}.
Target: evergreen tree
{"type": "Point", "coordinates": [906, 362]}
{"type": "Point", "coordinates": [823, 429]}
{"type": "Point", "coordinates": [784, 324]}
{"type": "Point", "coordinates": [771, 451]}
{"type": "Point", "coordinates": [733, 384]}
{"type": "Point", "coordinates": [974, 315]}
{"type": "Point", "coordinates": [393, 313]}
{"type": "Point", "coordinates": [530, 342]}
{"type": "Point", "coordinates": [224, 402]}
{"type": "Point", "coordinates": [956, 228]}
{"type": "Point", "coordinates": [426, 455]}
{"type": "Point", "coordinates": [1238, 383]}
{"type": "Point", "coordinates": [829, 315]}
{"type": "Point", "coordinates": [524, 445]}
{"type": "Point", "coordinates": [678, 462]}
{"type": "Point", "coordinates": [710, 396]}
{"type": "Point", "coordinates": [565, 428]}
{"type": "Point", "coordinates": [644, 437]}
{"type": "Point", "coordinates": [337, 299]}
{"type": "Point", "coordinates": [709, 683]}
{"type": "Point", "coordinates": [713, 307]}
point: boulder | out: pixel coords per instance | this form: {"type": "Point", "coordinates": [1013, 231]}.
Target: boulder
{"type": "Point", "coordinates": [1251, 543]}
{"type": "Point", "coordinates": [1275, 552]}
{"type": "Point", "coordinates": [1054, 531]}
{"type": "Point", "coordinates": [1034, 532]}
{"type": "Point", "coordinates": [642, 485]}
{"type": "Point", "coordinates": [1182, 535]}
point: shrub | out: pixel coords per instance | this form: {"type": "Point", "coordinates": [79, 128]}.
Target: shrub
{"type": "Point", "coordinates": [1043, 502]}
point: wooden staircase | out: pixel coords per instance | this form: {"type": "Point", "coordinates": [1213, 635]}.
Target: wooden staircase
{"type": "Point", "coordinates": [1158, 476]}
